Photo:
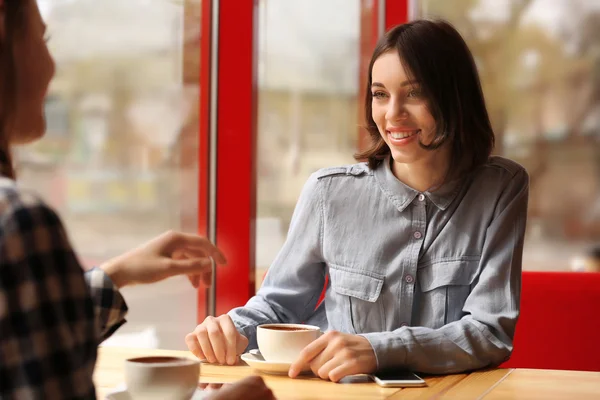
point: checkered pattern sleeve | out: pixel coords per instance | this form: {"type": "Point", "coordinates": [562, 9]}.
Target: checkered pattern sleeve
{"type": "Point", "coordinates": [51, 316]}
{"type": "Point", "coordinates": [109, 305]}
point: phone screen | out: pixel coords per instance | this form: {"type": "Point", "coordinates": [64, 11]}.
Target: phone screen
{"type": "Point", "coordinates": [398, 378]}
{"type": "Point", "coordinates": [397, 375]}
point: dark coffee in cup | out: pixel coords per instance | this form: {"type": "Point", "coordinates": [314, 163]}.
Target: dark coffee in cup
{"type": "Point", "coordinates": [155, 360]}
{"type": "Point", "coordinates": [161, 377]}
{"type": "Point", "coordinates": [286, 328]}
{"type": "Point", "coordinates": [282, 343]}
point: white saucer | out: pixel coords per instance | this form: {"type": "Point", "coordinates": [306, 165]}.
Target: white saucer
{"type": "Point", "coordinates": [257, 362]}
{"type": "Point", "coordinates": [120, 393]}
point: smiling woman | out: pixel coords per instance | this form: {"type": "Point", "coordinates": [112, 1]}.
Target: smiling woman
{"type": "Point", "coordinates": [422, 244]}
{"type": "Point", "coordinates": [422, 114]}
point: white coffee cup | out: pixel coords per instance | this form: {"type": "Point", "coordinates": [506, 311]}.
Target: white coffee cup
{"type": "Point", "coordinates": [282, 343]}
{"type": "Point", "coordinates": [157, 377]}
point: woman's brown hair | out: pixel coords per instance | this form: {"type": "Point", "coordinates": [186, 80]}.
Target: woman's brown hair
{"type": "Point", "coordinates": [435, 55]}
{"type": "Point", "coordinates": [13, 11]}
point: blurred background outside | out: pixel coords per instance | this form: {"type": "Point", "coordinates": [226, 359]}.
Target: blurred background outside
{"type": "Point", "coordinates": [120, 163]}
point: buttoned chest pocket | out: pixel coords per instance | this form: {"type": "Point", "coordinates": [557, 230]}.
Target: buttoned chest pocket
{"type": "Point", "coordinates": [357, 297]}
{"type": "Point", "coordinates": [445, 286]}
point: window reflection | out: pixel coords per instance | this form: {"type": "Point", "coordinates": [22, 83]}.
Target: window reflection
{"type": "Point", "coordinates": [119, 113]}
{"type": "Point", "coordinates": [307, 113]}
{"type": "Point", "coordinates": [540, 67]}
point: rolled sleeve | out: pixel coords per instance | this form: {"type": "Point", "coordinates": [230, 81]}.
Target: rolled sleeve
{"type": "Point", "coordinates": [295, 280]}
{"type": "Point", "coordinates": [388, 347]}
{"type": "Point", "coordinates": [109, 306]}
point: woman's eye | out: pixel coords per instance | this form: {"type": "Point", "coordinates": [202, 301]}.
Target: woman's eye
{"type": "Point", "coordinates": [414, 93]}
{"type": "Point", "coordinates": [378, 95]}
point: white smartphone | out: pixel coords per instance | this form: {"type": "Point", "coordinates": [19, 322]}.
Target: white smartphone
{"type": "Point", "coordinates": [398, 378]}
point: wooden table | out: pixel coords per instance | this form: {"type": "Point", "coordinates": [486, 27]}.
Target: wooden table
{"type": "Point", "coordinates": [495, 384]}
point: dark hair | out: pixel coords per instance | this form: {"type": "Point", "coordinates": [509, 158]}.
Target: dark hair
{"type": "Point", "coordinates": [434, 54]}
{"type": "Point", "coordinates": [14, 14]}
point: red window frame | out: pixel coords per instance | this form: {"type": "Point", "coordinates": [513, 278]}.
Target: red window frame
{"type": "Point", "coordinates": [235, 167]}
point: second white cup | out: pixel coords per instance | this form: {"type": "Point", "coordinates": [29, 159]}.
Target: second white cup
{"type": "Point", "coordinates": [282, 343]}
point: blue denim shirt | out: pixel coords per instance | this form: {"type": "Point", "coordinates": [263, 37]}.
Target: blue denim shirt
{"type": "Point", "coordinates": [431, 279]}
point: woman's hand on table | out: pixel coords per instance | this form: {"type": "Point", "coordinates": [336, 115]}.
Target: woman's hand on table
{"type": "Point", "coordinates": [217, 341]}
{"type": "Point", "coordinates": [170, 254]}
{"type": "Point", "coordinates": [336, 355]}
{"type": "Point", "coordinates": [249, 388]}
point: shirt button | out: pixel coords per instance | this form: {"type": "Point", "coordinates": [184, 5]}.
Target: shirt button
{"type": "Point", "coordinates": [409, 279]}
{"type": "Point", "coordinates": [417, 235]}
{"type": "Point", "coordinates": [421, 197]}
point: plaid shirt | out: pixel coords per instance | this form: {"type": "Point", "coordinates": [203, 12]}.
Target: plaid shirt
{"type": "Point", "coordinates": [52, 314]}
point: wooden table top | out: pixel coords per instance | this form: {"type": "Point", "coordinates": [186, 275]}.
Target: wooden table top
{"type": "Point", "coordinates": [493, 384]}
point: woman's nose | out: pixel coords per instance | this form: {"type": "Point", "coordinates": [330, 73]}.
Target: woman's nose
{"type": "Point", "coordinates": [396, 112]}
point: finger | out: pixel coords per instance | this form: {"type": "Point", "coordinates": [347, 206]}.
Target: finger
{"type": "Point", "coordinates": [191, 252]}
{"type": "Point", "coordinates": [337, 373]}
{"type": "Point", "coordinates": [307, 355]}
{"type": "Point", "coordinates": [195, 252]}
{"type": "Point", "coordinates": [242, 343]}
{"type": "Point", "coordinates": [206, 346]}
{"type": "Point", "coordinates": [258, 385]}
{"type": "Point", "coordinates": [192, 343]}
{"type": "Point", "coordinates": [326, 367]}
{"type": "Point", "coordinates": [249, 388]}
{"type": "Point", "coordinates": [194, 280]}
{"type": "Point", "coordinates": [231, 334]}
{"type": "Point", "coordinates": [190, 266]}
{"type": "Point", "coordinates": [255, 384]}
{"type": "Point", "coordinates": [207, 277]}
{"type": "Point", "coordinates": [217, 340]}
{"type": "Point", "coordinates": [178, 254]}
{"type": "Point", "coordinates": [202, 243]}
{"type": "Point", "coordinates": [319, 361]}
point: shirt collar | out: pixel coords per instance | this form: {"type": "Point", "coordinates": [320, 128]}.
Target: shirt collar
{"type": "Point", "coordinates": [401, 195]}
